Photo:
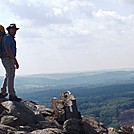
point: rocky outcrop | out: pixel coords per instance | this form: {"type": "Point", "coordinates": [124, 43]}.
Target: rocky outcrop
{"type": "Point", "coordinates": [63, 117]}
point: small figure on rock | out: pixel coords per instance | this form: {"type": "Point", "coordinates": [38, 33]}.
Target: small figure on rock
{"type": "Point", "coordinates": [65, 107]}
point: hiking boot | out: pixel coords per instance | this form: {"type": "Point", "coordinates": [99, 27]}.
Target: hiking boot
{"type": "Point", "coordinates": [14, 98]}
{"type": "Point", "coordinates": [3, 95]}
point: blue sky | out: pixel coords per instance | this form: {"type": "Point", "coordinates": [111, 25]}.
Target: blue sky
{"type": "Point", "coordinates": [58, 36]}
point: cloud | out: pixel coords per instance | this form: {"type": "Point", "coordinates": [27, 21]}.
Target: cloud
{"type": "Point", "coordinates": [66, 19]}
{"type": "Point", "coordinates": [127, 1]}
{"type": "Point", "coordinates": [58, 18]}
{"type": "Point", "coordinates": [49, 12]}
{"type": "Point", "coordinates": [65, 34]}
{"type": "Point", "coordinates": [42, 13]}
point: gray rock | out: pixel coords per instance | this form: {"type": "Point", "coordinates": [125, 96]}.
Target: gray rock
{"type": "Point", "coordinates": [73, 126]}
{"type": "Point", "coordinates": [50, 122]}
{"type": "Point", "coordinates": [2, 109]}
{"type": "Point", "coordinates": [4, 129]}
{"type": "Point", "coordinates": [48, 131]}
{"type": "Point", "coordinates": [91, 125]}
{"type": "Point", "coordinates": [9, 120]}
{"type": "Point", "coordinates": [112, 131]}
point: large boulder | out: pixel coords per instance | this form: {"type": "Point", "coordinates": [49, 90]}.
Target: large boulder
{"type": "Point", "coordinates": [27, 116]}
{"type": "Point", "coordinates": [23, 114]}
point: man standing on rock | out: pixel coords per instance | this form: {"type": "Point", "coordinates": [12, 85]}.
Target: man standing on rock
{"type": "Point", "coordinates": [9, 62]}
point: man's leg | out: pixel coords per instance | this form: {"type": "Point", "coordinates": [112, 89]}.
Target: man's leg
{"type": "Point", "coordinates": [10, 80]}
{"type": "Point", "coordinates": [10, 74]}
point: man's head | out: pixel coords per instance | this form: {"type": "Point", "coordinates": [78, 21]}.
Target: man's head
{"type": "Point", "coordinates": [12, 29]}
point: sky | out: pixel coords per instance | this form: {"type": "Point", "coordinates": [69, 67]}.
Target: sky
{"type": "Point", "coordinates": [59, 36]}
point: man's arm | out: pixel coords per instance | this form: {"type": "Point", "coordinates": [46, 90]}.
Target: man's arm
{"type": "Point", "coordinates": [10, 54]}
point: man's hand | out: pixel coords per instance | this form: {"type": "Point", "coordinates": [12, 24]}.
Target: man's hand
{"type": "Point", "coordinates": [16, 63]}
{"type": "Point", "coordinates": [10, 54]}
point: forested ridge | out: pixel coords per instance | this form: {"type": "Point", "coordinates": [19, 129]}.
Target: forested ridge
{"type": "Point", "coordinates": [107, 103]}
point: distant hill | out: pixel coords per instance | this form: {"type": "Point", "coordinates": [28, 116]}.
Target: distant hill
{"type": "Point", "coordinates": [69, 80]}
{"type": "Point", "coordinates": [41, 82]}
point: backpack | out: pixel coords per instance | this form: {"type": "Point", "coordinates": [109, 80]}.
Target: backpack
{"type": "Point", "coordinates": [2, 33]}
